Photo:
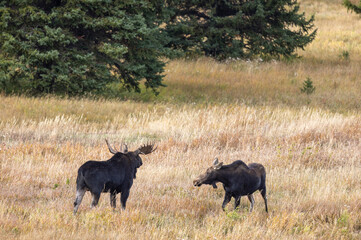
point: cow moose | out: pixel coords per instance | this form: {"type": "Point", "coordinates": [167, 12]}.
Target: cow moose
{"type": "Point", "coordinates": [114, 175]}
{"type": "Point", "coordinates": [238, 180]}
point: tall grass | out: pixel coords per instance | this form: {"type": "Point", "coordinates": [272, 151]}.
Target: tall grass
{"type": "Point", "coordinates": [312, 158]}
{"type": "Point", "coordinates": [248, 110]}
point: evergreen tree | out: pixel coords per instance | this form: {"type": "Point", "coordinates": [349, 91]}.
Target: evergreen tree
{"type": "Point", "coordinates": [73, 47]}
{"type": "Point", "coordinates": [308, 87]}
{"type": "Point", "coordinates": [238, 28]}
{"type": "Point", "coordinates": [353, 7]}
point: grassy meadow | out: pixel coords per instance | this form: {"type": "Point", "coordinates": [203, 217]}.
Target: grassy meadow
{"type": "Point", "coordinates": [310, 146]}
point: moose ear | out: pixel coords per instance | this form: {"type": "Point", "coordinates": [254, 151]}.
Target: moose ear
{"type": "Point", "coordinates": [125, 148]}
{"type": "Point", "coordinates": [215, 162]}
{"type": "Point", "coordinates": [218, 166]}
{"type": "Point", "coordinates": [137, 152]}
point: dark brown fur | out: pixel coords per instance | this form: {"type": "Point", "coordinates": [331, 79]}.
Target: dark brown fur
{"type": "Point", "coordinates": [238, 180]}
{"type": "Point", "coordinates": [114, 175]}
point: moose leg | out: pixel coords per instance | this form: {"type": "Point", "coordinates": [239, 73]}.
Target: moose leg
{"type": "Point", "coordinates": [79, 197]}
{"type": "Point", "coordinates": [123, 198]}
{"type": "Point", "coordinates": [237, 201]}
{"type": "Point", "coordinates": [113, 199]}
{"type": "Point", "coordinates": [263, 193]}
{"type": "Point", "coordinates": [95, 200]}
{"type": "Point", "coordinates": [227, 198]}
{"type": "Point", "coordinates": [251, 199]}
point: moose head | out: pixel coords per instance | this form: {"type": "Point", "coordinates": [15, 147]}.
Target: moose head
{"type": "Point", "coordinates": [133, 155]}
{"type": "Point", "coordinates": [209, 177]}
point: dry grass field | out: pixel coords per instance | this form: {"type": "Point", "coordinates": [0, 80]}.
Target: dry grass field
{"type": "Point", "coordinates": [248, 110]}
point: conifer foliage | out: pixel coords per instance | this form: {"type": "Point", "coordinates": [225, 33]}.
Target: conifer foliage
{"type": "Point", "coordinates": [239, 28]}
{"type": "Point", "coordinates": [353, 7]}
{"type": "Point", "coordinates": [74, 47]}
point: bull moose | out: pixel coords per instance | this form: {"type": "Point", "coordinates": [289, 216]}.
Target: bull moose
{"type": "Point", "coordinates": [238, 180]}
{"type": "Point", "coordinates": [114, 175]}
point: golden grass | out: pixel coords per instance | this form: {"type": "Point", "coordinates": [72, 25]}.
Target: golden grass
{"type": "Point", "coordinates": [248, 110]}
{"type": "Point", "coordinates": [338, 86]}
{"type": "Point", "coordinates": [312, 159]}
{"type": "Point", "coordinates": [332, 61]}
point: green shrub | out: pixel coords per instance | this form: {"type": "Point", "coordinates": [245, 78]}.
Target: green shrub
{"type": "Point", "coordinates": [308, 87]}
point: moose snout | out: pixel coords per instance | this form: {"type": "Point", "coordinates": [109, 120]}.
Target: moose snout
{"type": "Point", "coordinates": [196, 183]}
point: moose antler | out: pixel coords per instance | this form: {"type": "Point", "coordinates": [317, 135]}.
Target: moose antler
{"type": "Point", "coordinates": [146, 149]}
{"type": "Point", "coordinates": [110, 147]}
